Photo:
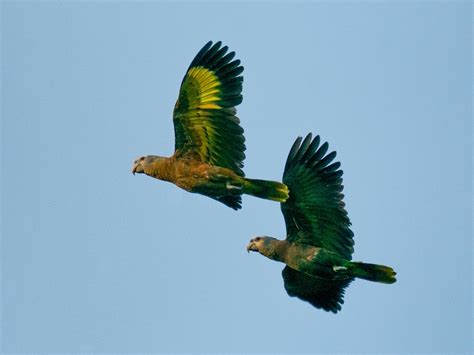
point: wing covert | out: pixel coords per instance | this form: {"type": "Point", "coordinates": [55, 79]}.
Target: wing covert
{"type": "Point", "coordinates": [204, 117]}
{"type": "Point", "coordinates": [314, 213]}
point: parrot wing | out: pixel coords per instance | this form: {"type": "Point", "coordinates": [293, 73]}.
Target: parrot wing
{"type": "Point", "coordinates": [205, 122]}
{"type": "Point", "coordinates": [321, 293]}
{"type": "Point", "coordinates": [314, 213]}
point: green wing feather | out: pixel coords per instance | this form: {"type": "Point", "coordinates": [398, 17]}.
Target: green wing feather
{"type": "Point", "coordinates": [321, 293]}
{"type": "Point", "coordinates": [314, 213]}
{"type": "Point", "coordinates": [205, 121]}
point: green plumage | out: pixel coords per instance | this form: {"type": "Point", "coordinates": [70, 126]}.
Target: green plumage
{"type": "Point", "coordinates": [325, 294]}
{"type": "Point", "coordinates": [373, 272]}
{"type": "Point", "coordinates": [314, 213]}
{"type": "Point", "coordinates": [319, 243]}
{"type": "Point", "coordinates": [266, 189]}
{"type": "Point", "coordinates": [209, 141]}
{"type": "Point", "coordinates": [204, 117]}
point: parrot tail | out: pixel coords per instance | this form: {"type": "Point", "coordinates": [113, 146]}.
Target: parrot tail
{"type": "Point", "coordinates": [373, 272]}
{"type": "Point", "coordinates": [269, 190]}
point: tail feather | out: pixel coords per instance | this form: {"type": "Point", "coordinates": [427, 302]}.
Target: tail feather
{"type": "Point", "coordinates": [269, 190]}
{"type": "Point", "coordinates": [373, 272]}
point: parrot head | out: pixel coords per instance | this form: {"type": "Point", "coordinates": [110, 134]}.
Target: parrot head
{"type": "Point", "coordinates": [141, 164]}
{"type": "Point", "coordinates": [263, 245]}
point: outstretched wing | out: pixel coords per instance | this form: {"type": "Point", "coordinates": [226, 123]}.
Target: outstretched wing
{"type": "Point", "coordinates": [314, 213]}
{"type": "Point", "coordinates": [321, 293]}
{"type": "Point", "coordinates": [204, 117]}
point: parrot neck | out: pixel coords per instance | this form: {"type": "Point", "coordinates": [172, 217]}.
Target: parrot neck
{"type": "Point", "coordinates": [160, 168]}
{"type": "Point", "coordinates": [277, 250]}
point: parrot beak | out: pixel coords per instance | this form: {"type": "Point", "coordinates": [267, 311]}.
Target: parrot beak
{"type": "Point", "coordinates": [251, 247]}
{"type": "Point", "coordinates": [137, 167]}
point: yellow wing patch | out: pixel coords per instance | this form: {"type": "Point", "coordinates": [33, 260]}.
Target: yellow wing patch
{"type": "Point", "coordinates": [206, 133]}
{"type": "Point", "coordinates": [204, 116]}
{"type": "Point", "coordinates": [206, 84]}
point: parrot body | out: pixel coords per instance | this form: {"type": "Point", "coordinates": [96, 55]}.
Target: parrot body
{"type": "Point", "coordinates": [319, 262]}
{"type": "Point", "coordinates": [319, 243]}
{"type": "Point", "coordinates": [209, 141]}
{"type": "Point", "coordinates": [216, 182]}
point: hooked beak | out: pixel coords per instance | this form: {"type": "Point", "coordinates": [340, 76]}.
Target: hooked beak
{"type": "Point", "coordinates": [137, 167]}
{"type": "Point", "coordinates": [251, 247]}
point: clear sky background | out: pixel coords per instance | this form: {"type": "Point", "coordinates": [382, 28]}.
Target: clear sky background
{"type": "Point", "coordinates": [95, 259]}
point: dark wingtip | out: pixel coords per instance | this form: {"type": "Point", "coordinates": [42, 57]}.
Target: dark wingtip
{"type": "Point", "coordinates": [200, 54]}
{"type": "Point", "coordinates": [293, 151]}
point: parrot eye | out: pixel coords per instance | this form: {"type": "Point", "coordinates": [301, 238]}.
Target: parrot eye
{"type": "Point", "coordinates": [142, 158]}
{"type": "Point", "coordinates": [257, 239]}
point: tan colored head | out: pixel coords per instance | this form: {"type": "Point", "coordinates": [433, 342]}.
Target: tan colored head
{"type": "Point", "coordinates": [143, 164]}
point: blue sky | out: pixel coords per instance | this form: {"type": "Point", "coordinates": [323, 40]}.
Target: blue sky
{"type": "Point", "coordinates": [97, 260]}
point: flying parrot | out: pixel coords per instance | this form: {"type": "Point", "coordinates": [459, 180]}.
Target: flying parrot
{"type": "Point", "coordinates": [319, 243]}
{"type": "Point", "coordinates": [209, 141]}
